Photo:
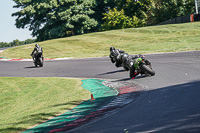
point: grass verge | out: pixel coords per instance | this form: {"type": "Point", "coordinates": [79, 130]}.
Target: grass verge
{"type": "Point", "coordinates": [153, 39]}
{"type": "Point", "coordinates": [26, 102]}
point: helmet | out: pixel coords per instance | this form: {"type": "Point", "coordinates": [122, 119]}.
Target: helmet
{"type": "Point", "coordinates": [143, 57]}
{"type": "Point", "coordinates": [124, 57]}
{"type": "Point", "coordinates": [136, 56]}
{"type": "Point", "coordinates": [36, 45]}
{"type": "Point", "coordinates": [112, 48]}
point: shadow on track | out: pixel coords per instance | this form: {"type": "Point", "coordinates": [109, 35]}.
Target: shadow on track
{"type": "Point", "coordinates": [112, 72]}
{"type": "Point", "coordinates": [174, 109]}
{"type": "Point", "coordinates": [127, 79]}
{"type": "Point", "coordinates": [169, 109]}
{"type": "Point", "coordinates": [31, 67]}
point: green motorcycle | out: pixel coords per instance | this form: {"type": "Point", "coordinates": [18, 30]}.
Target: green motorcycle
{"type": "Point", "coordinates": [140, 66]}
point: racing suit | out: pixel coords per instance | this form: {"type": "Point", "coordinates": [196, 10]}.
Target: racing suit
{"type": "Point", "coordinates": [117, 53]}
{"type": "Point", "coordinates": [37, 52]}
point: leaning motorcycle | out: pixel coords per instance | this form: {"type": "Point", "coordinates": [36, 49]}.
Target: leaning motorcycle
{"type": "Point", "coordinates": [141, 66]}
{"type": "Point", "coordinates": [38, 60]}
{"type": "Point", "coordinates": [114, 54]}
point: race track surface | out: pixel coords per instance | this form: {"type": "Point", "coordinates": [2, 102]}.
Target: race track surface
{"type": "Point", "coordinates": [171, 102]}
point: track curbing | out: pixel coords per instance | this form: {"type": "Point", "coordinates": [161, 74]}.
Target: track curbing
{"type": "Point", "coordinates": [102, 94]}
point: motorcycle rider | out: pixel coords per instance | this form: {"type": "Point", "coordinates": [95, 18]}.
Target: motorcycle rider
{"type": "Point", "coordinates": [115, 55]}
{"type": "Point", "coordinates": [134, 65]}
{"type": "Point", "coordinates": [37, 52]}
{"type": "Point", "coordinates": [129, 62]}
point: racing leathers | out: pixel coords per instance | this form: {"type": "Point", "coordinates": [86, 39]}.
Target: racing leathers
{"type": "Point", "coordinates": [115, 55]}
{"type": "Point", "coordinates": [128, 62]}
{"type": "Point", "coordinates": [37, 52]}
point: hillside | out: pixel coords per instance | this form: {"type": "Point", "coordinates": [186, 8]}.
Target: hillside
{"type": "Point", "coordinates": [154, 39]}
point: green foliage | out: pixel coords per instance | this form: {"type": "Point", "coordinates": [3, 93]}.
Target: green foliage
{"type": "Point", "coordinates": [101, 7]}
{"type": "Point", "coordinates": [138, 13]}
{"type": "Point", "coordinates": [118, 20]}
{"type": "Point", "coordinates": [48, 19]}
{"type": "Point", "coordinates": [16, 43]}
{"type": "Point", "coordinates": [127, 14]}
{"type": "Point", "coordinates": [161, 10]}
{"type": "Point", "coordinates": [4, 44]}
{"type": "Point", "coordinates": [133, 7]}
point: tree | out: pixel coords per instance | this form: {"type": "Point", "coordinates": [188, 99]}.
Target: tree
{"type": "Point", "coordinates": [161, 10]}
{"type": "Point", "coordinates": [101, 7]}
{"type": "Point", "coordinates": [15, 42]}
{"type": "Point", "coordinates": [49, 19]}
{"type": "Point", "coordinates": [126, 14]}
{"type": "Point", "coordinates": [3, 44]}
{"type": "Point", "coordinates": [118, 20]}
{"type": "Point", "coordinates": [133, 7]}
{"type": "Point", "coordinates": [29, 41]}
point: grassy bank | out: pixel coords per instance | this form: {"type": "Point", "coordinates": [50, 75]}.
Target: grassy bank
{"type": "Point", "coordinates": [28, 101]}
{"type": "Point", "coordinates": [154, 39]}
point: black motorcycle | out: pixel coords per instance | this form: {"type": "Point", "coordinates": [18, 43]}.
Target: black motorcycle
{"type": "Point", "coordinates": [38, 60]}
{"type": "Point", "coordinates": [115, 55]}
{"type": "Point", "coordinates": [135, 64]}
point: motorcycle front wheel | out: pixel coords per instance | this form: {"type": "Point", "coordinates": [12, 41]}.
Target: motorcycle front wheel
{"type": "Point", "coordinates": [111, 59]}
{"type": "Point", "coordinates": [132, 73]}
{"type": "Point", "coordinates": [126, 68]}
{"type": "Point", "coordinates": [41, 62]}
{"type": "Point", "coordinates": [145, 68]}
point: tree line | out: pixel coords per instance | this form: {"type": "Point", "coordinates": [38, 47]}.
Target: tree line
{"type": "Point", "coordinates": [16, 43]}
{"type": "Point", "coordinates": [50, 19]}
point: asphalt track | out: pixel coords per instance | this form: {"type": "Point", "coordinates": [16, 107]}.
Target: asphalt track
{"type": "Point", "coordinates": [171, 102]}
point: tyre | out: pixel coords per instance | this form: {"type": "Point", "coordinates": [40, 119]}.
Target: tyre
{"type": "Point", "coordinates": [112, 60]}
{"type": "Point", "coordinates": [147, 69]}
{"type": "Point", "coordinates": [132, 72]}
{"type": "Point", "coordinates": [126, 68]}
{"type": "Point", "coordinates": [41, 62]}
{"type": "Point", "coordinates": [118, 63]}
{"type": "Point", "coordinates": [34, 62]}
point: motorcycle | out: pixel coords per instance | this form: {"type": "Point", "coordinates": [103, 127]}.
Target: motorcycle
{"type": "Point", "coordinates": [135, 64]}
{"type": "Point", "coordinates": [115, 55]}
{"type": "Point", "coordinates": [38, 60]}
{"type": "Point", "coordinates": [141, 66]}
